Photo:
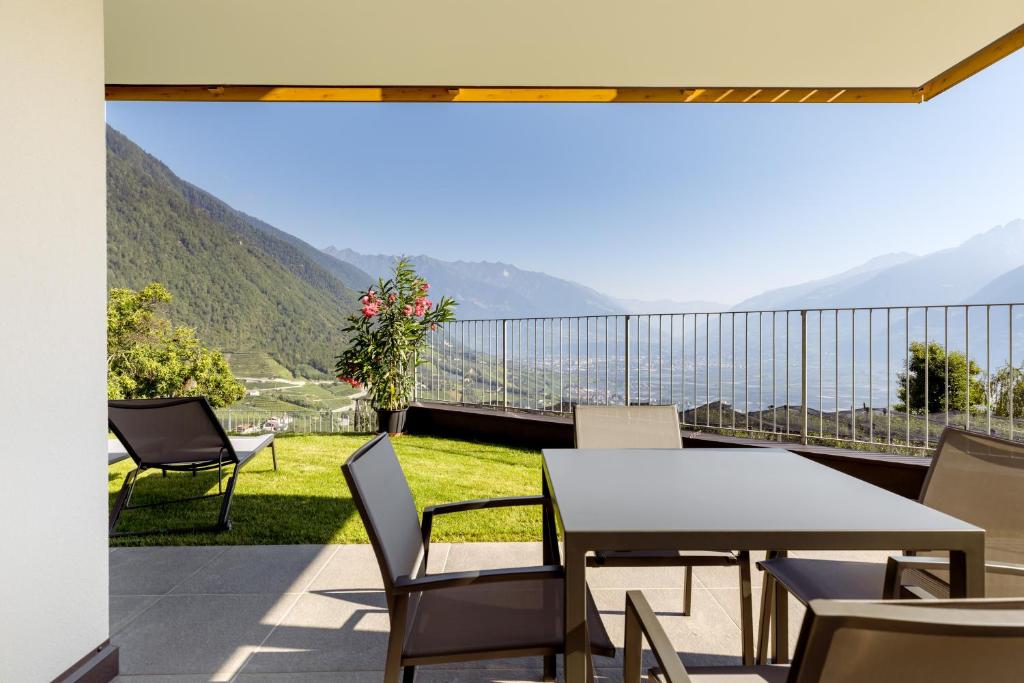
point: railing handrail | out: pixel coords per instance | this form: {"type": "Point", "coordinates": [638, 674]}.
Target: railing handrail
{"type": "Point", "coordinates": [808, 309]}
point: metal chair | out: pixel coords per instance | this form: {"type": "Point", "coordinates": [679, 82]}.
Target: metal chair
{"type": "Point", "coordinates": [975, 477]}
{"type": "Point", "coordinates": [941, 641]}
{"type": "Point", "coordinates": [600, 426]}
{"type": "Point", "coordinates": [454, 616]}
{"type": "Point", "coordinates": [174, 435]}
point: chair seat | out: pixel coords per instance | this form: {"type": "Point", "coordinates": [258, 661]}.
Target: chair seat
{"type": "Point", "coordinates": [662, 558]}
{"type": "Point", "coordinates": [808, 579]}
{"type": "Point", "coordinates": [509, 618]}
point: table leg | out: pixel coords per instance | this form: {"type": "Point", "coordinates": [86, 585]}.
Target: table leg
{"type": "Point", "coordinates": [549, 532]}
{"type": "Point", "coordinates": [575, 613]}
{"type": "Point", "coordinates": [967, 573]}
{"type": "Point", "coordinates": [746, 615]}
{"type": "Point", "coordinates": [780, 620]}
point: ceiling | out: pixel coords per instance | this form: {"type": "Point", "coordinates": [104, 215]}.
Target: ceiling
{"type": "Point", "coordinates": [893, 45]}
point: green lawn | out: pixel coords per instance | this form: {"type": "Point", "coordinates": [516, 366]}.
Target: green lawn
{"type": "Point", "coordinates": [306, 500]}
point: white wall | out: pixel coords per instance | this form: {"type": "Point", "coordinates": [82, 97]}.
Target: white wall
{"type": "Point", "coordinates": [53, 545]}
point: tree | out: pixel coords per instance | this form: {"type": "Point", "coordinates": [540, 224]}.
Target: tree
{"type": "Point", "coordinates": [1008, 379]}
{"type": "Point", "coordinates": [148, 357]}
{"type": "Point", "coordinates": [959, 372]}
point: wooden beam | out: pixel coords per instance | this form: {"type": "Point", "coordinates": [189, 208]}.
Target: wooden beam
{"type": "Point", "coordinates": [983, 58]}
{"type": "Point", "coordinates": [256, 93]}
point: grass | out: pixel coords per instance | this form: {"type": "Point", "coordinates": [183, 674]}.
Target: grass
{"type": "Point", "coordinates": [306, 500]}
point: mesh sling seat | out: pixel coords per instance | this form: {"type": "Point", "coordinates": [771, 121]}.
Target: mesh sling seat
{"type": "Point", "coordinates": [174, 435]}
{"type": "Point", "coordinates": [975, 477]}
{"type": "Point", "coordinates": [600, 426]}
{"type": "Point", "coordinates": [454, 616]}
{"type": "Point", "coordinates": [938, 641]}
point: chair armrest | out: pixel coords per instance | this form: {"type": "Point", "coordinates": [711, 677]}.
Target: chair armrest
{"type": "Point", "coordinates": [897, 564]}
{"type": "Point", "coordinates": [408, 584]}
{"type": "Point", "coordinates": [641, 622]}
{"type": "Point", "coordinates": [483, 503]}
{"type": "Point", "coordinates": [431, 511]}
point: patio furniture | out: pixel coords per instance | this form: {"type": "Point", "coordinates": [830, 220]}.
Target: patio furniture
{"type": "Point", "coordinates": [974, 477]}
{"type": "Point", "coordinates": [176, 435]}
{"type": "Point", "coordinates": [245, 446]}
{"type": "Point", "coordinates": [943, 641]}
{"type": "Point", "coordinates": [629, 500]}
{"type": "Point", "coordinates": [454, 616]}
{"type": "Point", "coordinates": [599, 426]}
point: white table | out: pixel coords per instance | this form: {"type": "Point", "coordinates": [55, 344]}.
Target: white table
{"type": "Point", "coordinates": [725, 498]}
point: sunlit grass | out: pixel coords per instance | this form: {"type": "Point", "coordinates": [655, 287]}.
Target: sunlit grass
{"type": "Point", "coordinates": [306, 500]}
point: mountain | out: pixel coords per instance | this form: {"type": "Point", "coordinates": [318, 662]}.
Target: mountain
{"type": "Point", "coordinates": [1007, 288]}
{"type": "Point", "coordinates": [955, 275]}
{"type": "Point", "coordinates": [243, 287]}
{"type": "Point", "coordinates": [820, 293]}
{"type": "Point", "coordinates": [492, 290]}
{"type": "Point", "coordinates": [350, 276]}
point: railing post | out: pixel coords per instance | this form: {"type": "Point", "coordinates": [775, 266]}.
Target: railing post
{"type": "Point", "coordinates": [504, 366]}
{"type": "Point", "coordinates": [803, 376]}
{"type": "Point", "coordinates": [625, 370]}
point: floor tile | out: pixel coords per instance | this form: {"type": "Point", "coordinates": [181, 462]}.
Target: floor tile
{"type": "Point", "coordinates": [259, 569]}
{"type": "Point", "coordinates": [328, 631]}
{"type": "Point", "coordinates": [198, 634]}
{"type": "Point", "coordinates": [156, 571]}
{"type": "Point", "coordinates": [469, 556]}
{"type": "Point", "coordinates": [124, 608]}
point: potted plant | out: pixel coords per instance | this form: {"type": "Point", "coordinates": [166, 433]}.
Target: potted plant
{"type": "Point", "coordinates": [388, 334]}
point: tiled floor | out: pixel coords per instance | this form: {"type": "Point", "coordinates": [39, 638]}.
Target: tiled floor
{"type": "Point", "coordinates": [312, 614]}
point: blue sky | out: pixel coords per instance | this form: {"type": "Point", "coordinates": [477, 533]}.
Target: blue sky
{"type": "Point", "coordinates": [679, 202]}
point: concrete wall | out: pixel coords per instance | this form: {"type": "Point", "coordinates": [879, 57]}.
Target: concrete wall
{"type": "Point", "coordinates": [53, 546]}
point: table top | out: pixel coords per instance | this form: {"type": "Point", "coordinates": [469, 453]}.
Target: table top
{"type": "Point", "coordinates": [745, 494]}
{"type": "Point", "coordinates": [243, 445]}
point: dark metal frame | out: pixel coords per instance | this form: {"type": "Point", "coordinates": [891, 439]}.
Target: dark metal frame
{"type": "Point", "coordinates": [226, 457]}
{"type": "Point", "coordinates": [774, 596]}
{"type": "Point", "coordinates": [401, 607]}
{"type": "Point", "coordinates": [823, 620]}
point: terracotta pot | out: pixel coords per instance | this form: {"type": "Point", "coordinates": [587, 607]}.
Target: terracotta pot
{"type": "Point", "coordinates": [391, 421]}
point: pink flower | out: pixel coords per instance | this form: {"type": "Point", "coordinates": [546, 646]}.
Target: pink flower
{"type": "Point", "coordinates": [433, 326]}
{"type": "Point", "coordinates": [392, 298]}
{"type": "Point", "coordinates": [365, 300]}
{"type": "Point", "coordinates": [371, 309]}
{"type": "Point", "coordinates": [407, 309]}
{"type": "Point", "coordinates": [425, 286]}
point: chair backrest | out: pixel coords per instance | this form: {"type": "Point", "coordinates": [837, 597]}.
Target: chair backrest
{"type": "Point", "coordinates": [169, 431]}
{"type": "Point", "coordinates": [940, 641]}
{"type": "Point", "coordinates": [980, 479]}
{"type": "Point", "coordinates": [382, 496]}
{"type": "Point", "coordinates": [627, 427]}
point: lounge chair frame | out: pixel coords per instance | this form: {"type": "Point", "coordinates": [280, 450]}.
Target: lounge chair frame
{"type": "Point", "coordinates": [226, 458]}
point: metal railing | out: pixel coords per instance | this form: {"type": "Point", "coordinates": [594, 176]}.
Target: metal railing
{"type": "Point", "coordinates": [246, 421]}
{"type": "Point", "coordinates": [828, 375]}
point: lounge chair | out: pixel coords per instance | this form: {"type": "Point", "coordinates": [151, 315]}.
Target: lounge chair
{"type": "Point", "coordinates": [974, 477]}
{"type": "Point", "coordinates": [176, 435]}
{"type": "Point", "coordinates": [599, 426]}
{"type": "Point", "coordinates": [454, 616]}
{"type": "Point", "coordinates": [941, 641]}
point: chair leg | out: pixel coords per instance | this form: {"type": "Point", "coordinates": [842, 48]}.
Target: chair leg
{"type": "Point", "coordinates": [590, 666]}
{"type": "Point", "coordinates": [224, 522]}
{"type": "Point", "coordinates": [746, 609]}
{"type": "Point", "coordinates": [122, 499]}
{"type": "Point", "coordinates": [550, 668]}
{"type": "Point", "coordinates": [409, 674]}
{"type": "Point", "coordinates": [687, 590]}
{"type": "Point", "coordinates": [780, 625]}
{"type": "Point", "coordinates": [396, 642]}
{"type": "Point", "coordinates": [764, 623]}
